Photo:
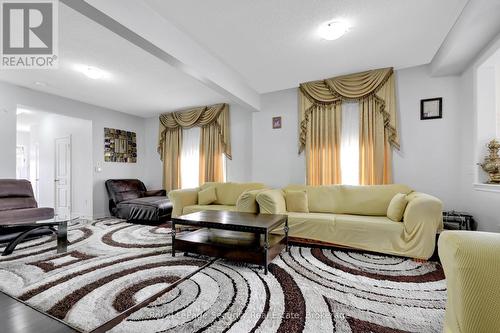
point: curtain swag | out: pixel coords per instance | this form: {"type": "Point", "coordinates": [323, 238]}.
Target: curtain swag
{"type": "Point", "coordinates": [374, 85]}
{"type": "Point", "coordinates": [217, 115]}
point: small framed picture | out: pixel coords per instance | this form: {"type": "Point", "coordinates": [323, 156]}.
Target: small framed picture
{"type": "Point", "coordinates": [276, 122]}
{"type": "Point", "coordinates": [431, 108]}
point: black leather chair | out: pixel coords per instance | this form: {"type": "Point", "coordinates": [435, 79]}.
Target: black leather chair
{"type": "Point", "coordinates": [129, 199]}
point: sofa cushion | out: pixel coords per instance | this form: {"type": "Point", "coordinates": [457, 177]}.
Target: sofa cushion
{"type": "Point", "coordinates": [369, 200]}
{"type": "Point", "coordinates": [207, 196]}
{"type": "Point", "coordinates": [372, 233]}
{"type": "Point", "coordinates": [228, 193]}
{"type": "Point", "coordinates": [296, 201]}
{"type": "Point", "coordinates": [145, 209]}
{"type": "Point", "coordinates": [155, 201]}
{"type": "Point", "coordinates": [247, 201]}
{"type": "Point", "coordinates": [296, 218]}
{"type": "Point", "coordinates": [128, 195]}
{"type": "Point", "coordinates": [344, 199]}
{"type": "Point", "coordinates": [17, 203]}
{"type": "Point", "coordinates": [30, 214]}
{"type": "Point", "coordinates": [309, 225]}
{"type": "Point", "coordinates": [365, 220]}
{"type": "Point", "coordinates": [199, 208]}
{"type": "Point", "coordinates": [124, 189]}
{"type": "Point", "coordinates": [321, 199]}
{"type": "Point", "coordinates": [15, 188]}
{"type": "Point", "coordinates": [397, 206]}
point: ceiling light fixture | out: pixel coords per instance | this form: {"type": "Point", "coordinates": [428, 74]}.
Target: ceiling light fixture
{"type": "Point", "coordinates": [334, 29]}
{"type": "Point", "coordinates": [91, 72]}
{"type": "Point", "coordinates": [40, 83]}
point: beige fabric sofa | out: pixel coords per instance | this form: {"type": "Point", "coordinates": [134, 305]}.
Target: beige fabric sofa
{"type": "Point", "coordinates": [355, 217]}
{"type": "Point", "coordinates": [230, 197]}
{"type": "Point", "coordinates": [471, 264]}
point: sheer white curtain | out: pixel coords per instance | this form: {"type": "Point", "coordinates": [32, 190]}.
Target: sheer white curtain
{"type": "Point", "coordinates": [349, 147]}
{"type": "Point", "coordinates": [190, 158]}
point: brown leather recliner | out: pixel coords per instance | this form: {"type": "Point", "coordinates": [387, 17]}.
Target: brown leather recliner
{"type": "Point", "coordinates": [129, 199]}
{"type": "Point", "coordinates": [17, 204]}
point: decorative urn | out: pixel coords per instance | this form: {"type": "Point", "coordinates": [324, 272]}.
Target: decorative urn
{"type": "Point", "coordinates": [491, 163]}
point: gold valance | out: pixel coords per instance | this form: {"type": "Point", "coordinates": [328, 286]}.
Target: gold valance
{"type": "Point", "coordinates": [374, 84]}
{"type": "Point", "coordinates": [217, 114]}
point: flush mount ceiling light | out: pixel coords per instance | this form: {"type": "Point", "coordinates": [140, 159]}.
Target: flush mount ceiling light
{"type": "Point", "coordinates": [91, 72]}
{"type": "Point", "coordinates": [334, 29]}
{"type": "Point", "coordinates": [40, 83]}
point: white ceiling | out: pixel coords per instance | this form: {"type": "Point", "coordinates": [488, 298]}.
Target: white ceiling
{"type": "Point", "coordinates": [260, 44]}
{"type": "Point", "coordinates": [274, 44]}
{"type": "Point", "coordinates": [140, 84]}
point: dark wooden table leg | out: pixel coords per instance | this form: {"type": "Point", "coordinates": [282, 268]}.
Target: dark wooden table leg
{"type": "Point", "coordinates": [62, 237]}
{"type": "Point", "coordinates": [173, 239]}
{"type": "Point", "coordinates": [266, 250]}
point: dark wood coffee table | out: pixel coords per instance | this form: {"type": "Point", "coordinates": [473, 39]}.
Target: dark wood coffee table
{"type": "Point", "coordinates": [243, 237]}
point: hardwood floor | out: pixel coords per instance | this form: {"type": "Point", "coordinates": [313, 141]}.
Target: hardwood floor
{"type": "Point", "coordinates": [17, 317]}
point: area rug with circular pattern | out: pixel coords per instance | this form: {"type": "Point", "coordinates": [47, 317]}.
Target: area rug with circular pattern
{"type": "Point", "coordinates": [112, 266]}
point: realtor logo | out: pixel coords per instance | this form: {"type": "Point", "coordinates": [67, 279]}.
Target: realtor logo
{"type": "Point", "coordinates": [29, 34]}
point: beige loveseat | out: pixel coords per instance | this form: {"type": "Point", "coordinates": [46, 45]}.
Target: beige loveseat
{"type": "Point", "coordinates": [229, 197]}
{"type": "Point", "coordinates": [356, 217]}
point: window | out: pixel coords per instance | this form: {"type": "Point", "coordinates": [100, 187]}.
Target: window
{"type": "Point", "coordinates": [190, 158]}
{"type": "Point", "coordinates": [349, 144]}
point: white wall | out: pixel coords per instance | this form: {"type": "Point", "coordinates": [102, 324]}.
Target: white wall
{"type": "Point", "coordinates": [239, 169]}
{"type": "Point", "coordinates": [482, 204]}
{"type": "Point", "coordinates": [497, 93]}
{"type": "Point", "coordinates": [47, 129]}
{"type": "Point", "coordinates": [8, 140]}
{"type": "Point", "coordinates": [428, 159]}
{"type": "Point", "coordinates": [275, 159]}
{"type": "Point", "coordinates": [153, 177]}
{"type": "Point", "coordinates": [11, 96]}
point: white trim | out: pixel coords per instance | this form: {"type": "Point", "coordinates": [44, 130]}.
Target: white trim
{"type": "Point", "coordinates": [486, 187]}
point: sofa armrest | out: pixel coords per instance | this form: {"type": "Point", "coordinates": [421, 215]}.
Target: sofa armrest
{"type": "Point", "coordinates": [423, 211]}
{"type": "Point", "coordinates": [423, 219]}
{"type": "Point", "coordinates": [182, 198]}
{"type": "Point", "coordinates": [471, 265]}
{"type": "Point", "coordinates": [272, 202]}
{"type": "Point", "coordinates": [155, 193]}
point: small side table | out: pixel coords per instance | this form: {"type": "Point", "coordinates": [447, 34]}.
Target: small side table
{"type": "Point", "coordinates": [458, 221]}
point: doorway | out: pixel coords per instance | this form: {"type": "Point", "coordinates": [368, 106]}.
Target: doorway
{"type": "Point", "coordinates": [55, 154]}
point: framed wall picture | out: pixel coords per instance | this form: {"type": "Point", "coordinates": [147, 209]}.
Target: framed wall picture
{"type": "Point", "coordinates": [276, 122]}
{"type": "Point", "coordinates": [120, 146]}
{"type": "Point", "coordinates": [431, 108]}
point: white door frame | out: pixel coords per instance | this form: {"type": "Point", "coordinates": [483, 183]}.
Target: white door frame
{"type": "Point", "coordinates": [62, 180]}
